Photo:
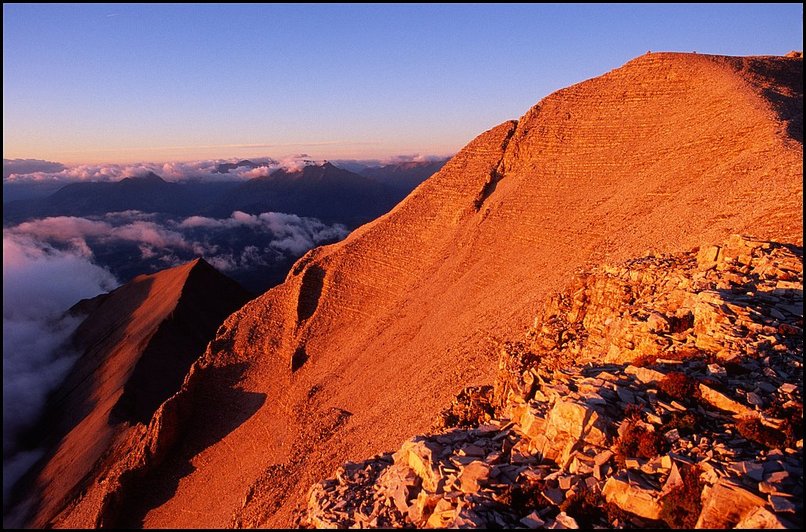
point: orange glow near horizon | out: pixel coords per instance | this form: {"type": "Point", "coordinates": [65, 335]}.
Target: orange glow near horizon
{"type": "Point", "coordinates": [314, 150]}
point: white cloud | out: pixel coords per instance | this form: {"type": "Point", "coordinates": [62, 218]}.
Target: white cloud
{"type": "Point", "coordinates": [39, 280]}
{"type": "Point", "coordinates": [27, 166]}
{"type": "Point", "coordinates": [240, 242]}
{"type": "Point", "coordinates": [39, 284]}
{"type": "Point", "coordinates": [30, 170]}
{"type": "Point", "coordinates": [415, 158]}
{"type": "Point", "coordinates": [75, 230]}
{"type": "Point", "coordinates": [203, 170]}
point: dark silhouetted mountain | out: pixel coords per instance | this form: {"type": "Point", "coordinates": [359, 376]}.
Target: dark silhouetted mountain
{"type": "Point", "coordinates": [28, 190]}
{"type": "Point", "coordinates": [147, 193]}
{"type": "Point", "coordinates": [224, 168]}
{"type": "Point", "coordinates": [325, 191]}
{"type": "Point", "coordinates": [402, 178]}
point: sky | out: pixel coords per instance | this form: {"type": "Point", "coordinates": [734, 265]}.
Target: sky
{"type": "Point", "coordinates": [121, 83]}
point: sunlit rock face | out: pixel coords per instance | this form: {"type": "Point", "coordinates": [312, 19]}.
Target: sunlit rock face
{"type": "Point", "coordinates": [368, 339]}
{"type": "Point", "coordinates": [591, 433]}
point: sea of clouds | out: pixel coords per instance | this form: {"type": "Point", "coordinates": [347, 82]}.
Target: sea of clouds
{"type": "Point", "coordinates": [18, 171]}
{"type": "Point", "coordinates": [31, 170]}
{"type": "Point", "coordinates": [241, 241]}
{"type": "Point", "coordinates": [40, 283]}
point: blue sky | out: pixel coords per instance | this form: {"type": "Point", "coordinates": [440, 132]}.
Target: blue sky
{"type": "Point", "coordinates": [134, 83]}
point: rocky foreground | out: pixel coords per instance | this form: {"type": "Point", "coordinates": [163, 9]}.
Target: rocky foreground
{"type": "Point", "coordinates": [667, 391]}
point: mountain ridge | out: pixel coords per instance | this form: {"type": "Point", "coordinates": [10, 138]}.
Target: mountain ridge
{"type": "Point", "coordinates": [666, 152]}
{"type": "Point", "coordinates": [136, 345]}
{"type": "Point", "coordinates": [325, 191]}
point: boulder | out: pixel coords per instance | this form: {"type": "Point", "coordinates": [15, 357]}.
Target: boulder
{"type": "Point", "coordinates": [726, 504]}
{"type": "Point", "coordinates": [473, 475]}
{"type": "Point", "coordinates": [761, 518]}
{"type": "Point", "coordinates": [419, 456]}
{"type": "Point", "coordinates": [639, 501]}
{"type": "Point", "coordinates": [722, 402]}
{"type": "Point", "coordinates": [442, 516]}
{"type": "Point", "coordinates": [644, 375]}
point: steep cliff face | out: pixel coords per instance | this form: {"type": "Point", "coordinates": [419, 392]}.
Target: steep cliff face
{"type": "Point", "coordinates": [137, 344]}
{"type": "Point", "coordinates": [367, 339]}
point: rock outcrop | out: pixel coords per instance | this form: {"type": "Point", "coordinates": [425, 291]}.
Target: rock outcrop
{"type": "Point", "coordinates": [708, 436]}
{"type": "Point", "coordinates": [367, 339]}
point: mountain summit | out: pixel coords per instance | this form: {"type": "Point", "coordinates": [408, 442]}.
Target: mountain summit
{"type": "Point", "coordinates": [150, 178]}
{"type": "Point", "coordinates": [368, 339]}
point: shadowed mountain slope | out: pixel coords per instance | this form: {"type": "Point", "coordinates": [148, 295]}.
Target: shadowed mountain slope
{"type": "Point", "coordinates": [368, 339]}
{"type": "Point", "coordinates": [325, 191]}
{"type": "Point", "coordinates": [403, 177]}
{"type": "Point", "coordinates": [137, 344]}
{"type": "Point", "coordinates": [147, 193]}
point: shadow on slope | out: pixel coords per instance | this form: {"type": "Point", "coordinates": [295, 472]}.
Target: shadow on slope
{"type": "Point", "coordinates": [143, 491]}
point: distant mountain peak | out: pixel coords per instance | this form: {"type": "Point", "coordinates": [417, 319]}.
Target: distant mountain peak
{"type": "Point", "coordinates": [149, 177]}
{"type": "Point", "coordinates": [309, 169]}
{"type": "Point", "coordinates": [224, 168]}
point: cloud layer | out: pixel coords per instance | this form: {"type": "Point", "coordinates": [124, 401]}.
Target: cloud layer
{"type": "Point", "coordinates": [204, 170]}
{"type": "Point", "coordinates": [132, 242]}
{"type": "Point", "coordinates": [37, 171]}
{"type": "Point", "coordinates": [29, 166]}
{"type": "Point", "coordinates": [40, 283]}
